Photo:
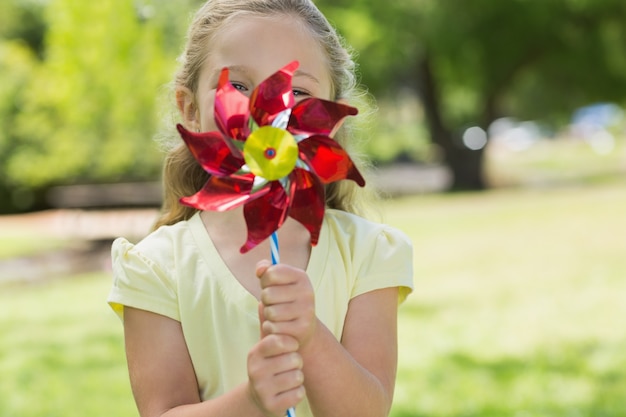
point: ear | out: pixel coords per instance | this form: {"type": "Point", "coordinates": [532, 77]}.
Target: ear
{"type": "Point", "coordinates": [339, 123]}
{"type": "Point", "coordinates": [186, 103]}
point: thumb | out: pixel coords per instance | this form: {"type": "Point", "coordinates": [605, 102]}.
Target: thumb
{"type": "Point", "coordinates": [261, 267]}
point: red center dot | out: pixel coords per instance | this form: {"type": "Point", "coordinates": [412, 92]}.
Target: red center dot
{"type": "Point", "coordinates": [270, 153]}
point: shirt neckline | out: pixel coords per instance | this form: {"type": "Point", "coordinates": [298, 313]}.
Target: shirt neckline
{"type": "Point", "coordinates": [209, 252]}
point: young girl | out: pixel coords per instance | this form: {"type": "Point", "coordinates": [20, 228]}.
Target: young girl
{"type": "Point", "coordinates": [213, 332]}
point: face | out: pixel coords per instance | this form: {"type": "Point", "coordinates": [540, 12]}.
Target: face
{"type": "Point", "coordinates": [253, 48]}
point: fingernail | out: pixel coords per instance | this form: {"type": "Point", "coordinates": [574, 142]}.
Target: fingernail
{"type": "Point", "coordinates": [269, 327]}
{"type": "Point", "coordinates": [300, 377]}
{"type": "Point", "coordinates": [297, 361]}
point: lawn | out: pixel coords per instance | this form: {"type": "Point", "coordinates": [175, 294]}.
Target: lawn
{"type": "Point", "coordinates": [61, 351]}
{"type": "Point", "coordinates": [20, 245]}
{"type": "Point", "coordinates": [519, 304]}
{"type": "Point", "coordinates": [518, 311]}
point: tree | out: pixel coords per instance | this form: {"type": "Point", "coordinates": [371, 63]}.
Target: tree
{"type": "Point", "coordinates": [78, 80]}
{"type": "Point", "coordinates": [89, 111]}
{"type": "Point", "coordinates": [80, 91]}
{"type": "Point", "coordinates": [22, 29]}
{"type": "Point", "coordinates": [474, 61]}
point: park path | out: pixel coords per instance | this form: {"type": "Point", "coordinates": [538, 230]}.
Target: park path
{"type": "Point", "coordinates": [88, 234]}
{"type": "Point", "coordinates": [79, 224]}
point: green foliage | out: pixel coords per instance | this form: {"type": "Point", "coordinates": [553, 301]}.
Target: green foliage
{"type": "Point", "coordinates": [23, 20]}
{"type": "Point", "coordinates": [395, 132]}
{"type": "Point", "coordinates": [533, 60]}
{"type": "Point", "coordinates": [79, 91]}
{"type": "Point", "coordinates": [89, 111]}
{"type": "Point", "coordinates": [17, 64]}
{"type": "Point", "coordinates": [79, 81]}
{"type": "Point", "coordinates": [386, 37]}
{"type": "Point", "coordinates": [472, 62]}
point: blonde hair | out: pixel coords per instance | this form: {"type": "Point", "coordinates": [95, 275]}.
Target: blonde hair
{"type": "Point", "coordinates": [182, 175]}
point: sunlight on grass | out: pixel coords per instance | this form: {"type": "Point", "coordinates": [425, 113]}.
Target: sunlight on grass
{"type": "Point", "coordinates": [557, 161]}
{"type": "Point", "coordinates": [517, 311]}
{"type": "Point", "coordinates": [61, 351]}
{"type": "Point", "coordinates": [21, 245]}
{"type": "Point", "coordinates": [518, 304]}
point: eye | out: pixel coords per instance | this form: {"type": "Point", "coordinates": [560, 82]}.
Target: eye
{"type": "Point", "coordinates": [239, 86]}
{"type": "Point", "coordinates": [299, 93]}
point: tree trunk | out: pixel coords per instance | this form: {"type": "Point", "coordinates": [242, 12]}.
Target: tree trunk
{"type": "Point", "coordinates": [467, 168]}
{"type": "Point", "coordinates": [466, 164]}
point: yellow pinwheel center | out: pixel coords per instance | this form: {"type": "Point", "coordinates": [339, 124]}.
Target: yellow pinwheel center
{"type": "Point", "coordinates": [270, 152]}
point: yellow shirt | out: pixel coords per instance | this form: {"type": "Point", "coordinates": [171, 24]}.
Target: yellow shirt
{"type": "Point", "coordinates": [177, 272]}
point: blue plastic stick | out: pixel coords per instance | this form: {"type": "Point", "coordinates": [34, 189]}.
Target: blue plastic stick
{"type": "Point", "coordinates": [276, 259]}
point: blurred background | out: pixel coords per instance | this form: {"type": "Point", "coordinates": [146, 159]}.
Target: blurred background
{"type": "Point", "coordinates": [498, 136]}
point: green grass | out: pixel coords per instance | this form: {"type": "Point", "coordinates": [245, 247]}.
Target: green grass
{"type": "Point", "coordinates": [61, 351]}
{"type": "Point", "coordinates": [519, 304]}
{"type": "Point", "coordinates": [15, 245]}
{"type": "Point", "coordinates": [518, 311]}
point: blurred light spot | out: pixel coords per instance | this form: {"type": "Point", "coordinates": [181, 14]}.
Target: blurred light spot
{"type": "Point", "coordinates": [594, 117]}
{"type": "Point", "coordinates": [475, 138]}
{"type": "Point", "coordinates": [594, 123]}
{"type": "Point", "coordinates": [145, 12]}
{"type": "Point", "coordinates": [602, 142]}
{"type": "Point", "coordinates": [514, 135]}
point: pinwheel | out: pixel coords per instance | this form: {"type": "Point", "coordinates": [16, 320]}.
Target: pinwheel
{"type": "Point", "coordinates": [270, 154]}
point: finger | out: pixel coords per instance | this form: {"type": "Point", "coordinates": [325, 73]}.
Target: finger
{"type": "Point", "coordinates": [293, 328]}
{"type": "Point", "coordinates": [261, 267]}
{"type": "Point", "coordinates": [289, 398]}
{"type": "Point", "coordinates": [276, 312]}
{"type": "Point", "coordinates": [277, 344]}
{"type": "Point", "coordinates": [261, 319]}
{"type": "Point", "coordinates": [288, 380]}
{"type": "Point", "coordinates": [300, 329]}
{"type": "Point", "coordinates": [263, 368]}
{"type": "Point", "coordinates": [278, 294]}
{"type": "Point", "coordinates": [280, 274]}
{"type": "Point", "coordinates": [284, 392]}
{"type": "Point", "coordinates": [296, 285]}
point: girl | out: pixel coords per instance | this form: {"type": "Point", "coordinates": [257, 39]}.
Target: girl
{"type": "Point", "coordinates": [213, 332]}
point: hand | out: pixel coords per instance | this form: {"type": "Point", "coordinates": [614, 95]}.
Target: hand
{"type": "Point", "coordinates": [288, 302]}
{"type": "Point", "coordinates": [275, 373]}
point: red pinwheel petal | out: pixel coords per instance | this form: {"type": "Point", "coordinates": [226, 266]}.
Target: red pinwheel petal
{"type": "Point", "coordinates": [273, 95]}
{"type": "Point", "coordinates": [265, 215]}
{"type": "Point", "coordinates": [231, 109]}
{"type": "Point", "coordinates": [212, 152]}
{"type": "Point", "coordinates": [329, 160]}
{"type": "Point", "coordinates": [221, 194]}
{"type": "Point", "coordinates": [314, 116]}
{"type": "Point", "coordinates": [308, 202]}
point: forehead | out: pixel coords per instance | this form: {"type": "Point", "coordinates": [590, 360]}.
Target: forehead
{"type": "Point", "coordinates": [266, 44]}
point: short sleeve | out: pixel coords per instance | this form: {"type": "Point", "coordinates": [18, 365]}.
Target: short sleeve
{"type": "Point", "coordinates": [387, 262]}
{"type": "Point", "coordinates": [141, 283]}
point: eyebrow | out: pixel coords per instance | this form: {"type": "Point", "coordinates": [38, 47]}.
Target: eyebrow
{"type": "Point", "coordinates": [298, 73]}
{"type": "Point", "coordinates": [306, 75]}
{"type": "Point", "coordinates": [238, 68]}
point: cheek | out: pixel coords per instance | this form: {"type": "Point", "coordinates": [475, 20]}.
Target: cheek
{"type": "Point", "coordinates": [206, 105]}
